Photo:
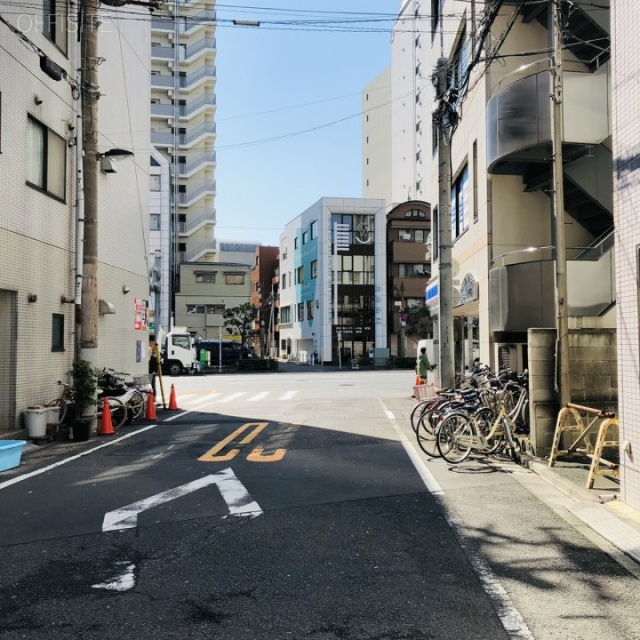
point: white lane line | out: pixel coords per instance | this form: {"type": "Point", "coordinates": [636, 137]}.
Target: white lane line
{"type": "Point", "coordinates": [162, 452]}
{"type": "Point", "coordinates": [26, 476]}
{"type": "Point", "coordinates": [259, 396]}
{"type": "Point", "coordinates": [288, 395]}
{"type": "Point", "coordinates": [510, 617]}
{"type": "Point", "coordinates": [427, 477]}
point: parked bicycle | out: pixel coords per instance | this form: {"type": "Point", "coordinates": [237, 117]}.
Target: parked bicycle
{"type": "Point", "coordinates": [67, 413]}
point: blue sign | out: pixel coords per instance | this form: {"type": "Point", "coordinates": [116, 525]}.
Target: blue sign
{"type": "Point", "coordinates": [432, 293]}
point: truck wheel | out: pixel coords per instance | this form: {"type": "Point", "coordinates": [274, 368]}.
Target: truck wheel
{"type": "Point", "coordinates": [174, 369]}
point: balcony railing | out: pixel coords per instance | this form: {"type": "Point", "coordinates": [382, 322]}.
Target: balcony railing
{"type": "Point", "coordinates": [166, 138]}
{"type": "Point", "coordinates": [194, 221]}
{"type": "Point", "coordinates": [195, 191]}
{"type": "Point", "coordinates": [519, 111]}
{"type": "Point", "coordinates": [168, 53]}
{"type": "Point", "coordinates": [207, 99]}
{"type": "Point", "coordinates": [184, 82]}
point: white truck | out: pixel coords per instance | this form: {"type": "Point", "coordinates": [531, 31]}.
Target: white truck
{"type": "Point", "coordinates": [178, 354]}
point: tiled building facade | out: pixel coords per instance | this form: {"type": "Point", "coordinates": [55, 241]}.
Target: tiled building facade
{"type": "Point", "coordinates": [625, 15]}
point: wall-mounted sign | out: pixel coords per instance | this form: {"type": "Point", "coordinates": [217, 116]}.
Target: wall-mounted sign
{"type": "Point", "coordinates": [432, 294]}
{"type": "Point", "coordinates": [140, 320]}
{"type": "Point", "coordinates": [468, 289]}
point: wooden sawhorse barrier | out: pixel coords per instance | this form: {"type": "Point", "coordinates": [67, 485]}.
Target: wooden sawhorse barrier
{"type": "Point", "coordinates": [570, 420]}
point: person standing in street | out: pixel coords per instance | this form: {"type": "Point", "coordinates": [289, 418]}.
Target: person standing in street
{"type": "Point", "coordinates": [423, 366]}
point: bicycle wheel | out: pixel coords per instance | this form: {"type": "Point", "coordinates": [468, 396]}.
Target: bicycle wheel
{"type": "Point", "coordinates": [485, 419]}
{"type": "Point", "coordinates": [63, 408]}
{"type": "Point", "coordinates": [418, 411]}
{"type": "Point", "coordinates": [427, 431]}
{"type": "Point", "coordinates": [449, 432]}
{"type": "Point", "coordinates": [135, 405]}
{"type": "Point", "coordinates": [118, 411]}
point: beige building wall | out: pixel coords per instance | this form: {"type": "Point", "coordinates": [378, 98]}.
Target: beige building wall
{"type": "Point", "coordinates": [376, 138]}
{"type": "Point", "coordinates": [38, 219]}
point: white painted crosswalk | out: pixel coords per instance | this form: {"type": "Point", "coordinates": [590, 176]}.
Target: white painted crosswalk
{"type": "Point", "coordinates": [194, 400]}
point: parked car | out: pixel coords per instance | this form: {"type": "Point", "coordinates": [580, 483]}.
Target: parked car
{"type": "Point", "coordinates": [208, 352]}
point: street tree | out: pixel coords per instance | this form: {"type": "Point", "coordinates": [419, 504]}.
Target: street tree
{"type": "Point", "coordinates": [241, 319]}
{"type": "Point", "coordinates": [419, 323]}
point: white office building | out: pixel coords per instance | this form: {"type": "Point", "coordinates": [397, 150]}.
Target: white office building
{"type": "Point", "coordinates": [333, 298]}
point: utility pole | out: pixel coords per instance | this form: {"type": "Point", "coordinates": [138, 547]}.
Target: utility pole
{"type": "Point", "coordinates": [562, 321]}
{"type": "Point", "coordinates": [445, 282]}
{"type": "Point", "coordinates": [90, 95]}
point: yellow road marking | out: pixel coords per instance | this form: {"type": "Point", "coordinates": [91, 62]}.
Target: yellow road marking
{"type": "Point", "coordinates": [212, 454]}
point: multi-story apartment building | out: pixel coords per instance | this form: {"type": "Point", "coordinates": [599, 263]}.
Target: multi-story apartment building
{"type": "Point", "coordinates": [333, 297]}
{"type": "Point", "coordinates": [207, 290]}
{"type": "Point", "coordinates": [159, 243]}
{"type": "Point", "coordinates": [183, 105]}
{"type": "Point", "coordinates": [264, 291]}
{"type": "Point", "coordinates": [409, 269]}
{"type": "Point", "coordinates": [41, 150]}
{"type": "Point", "coordinates": [376, 138]}
{"type": "Point", "coordinates": [411, 103]}
{"type": "Point", "coordinates": [501, 204]}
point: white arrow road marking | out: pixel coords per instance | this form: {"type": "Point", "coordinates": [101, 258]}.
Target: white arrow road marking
{"type": "Point", "coordinates": [231, 489]}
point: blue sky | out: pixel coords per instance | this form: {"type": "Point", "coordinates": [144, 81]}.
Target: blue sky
{"type": "Point", "coordinates": [281, 79]}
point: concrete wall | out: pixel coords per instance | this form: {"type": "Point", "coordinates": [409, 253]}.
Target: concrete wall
{"type": "Point", "coordinates": [593, 375]}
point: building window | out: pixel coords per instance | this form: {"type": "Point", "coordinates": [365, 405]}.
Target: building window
{"type": "Point", "coordinates": [195, 309]}
{"type": "Point", "coordinates": [55, 22]}
{"type": "Point", "coordinates": [413, 235]}
{"type": "Point", "coordinates": [314, 229]}
{"type": "Point", "coordinates": [46, 159]}
{"type": "Point", "coordinates": [285, 315]}
{"type": "Point", "coordinates": [415, 213]}
{"type": "Point", "coordinates": [310, 309]}
{"type": "Point", "coordinates": [305, 237]}
{"type": "Point", "coordinates": [475, 181]}
{"type": "Point", "coordinates": [154, 183]}
{"type": "Point", "coordinates": [460, 204]}
{"type": "Point", "coordinates": [353, 269]}
{"type": "Point", "coordinates": [205, 276]}
{"type": "Point", "coordinates": [300, 274]}
{"type": "Point", "coordinates": [314, 269]}
{"type": "Point", "coordinates": [154, 222]}
{"type": "Point", "coordinates": [300, 311]}
{"type": "Point", "coordinates": [413, 270]}
{"type": "Point", "coordinates": [284, 280]}
{"type": "Point", "coordinates": [295, 243]}
{"type": "Point", "coordinates": [234, 278]}
{"type": "Point", "coordinates": [435, 16]}
{"type": "Point", "coordinates": [57, 332]}
{"type": "Point", "coordinates": [460, 62]}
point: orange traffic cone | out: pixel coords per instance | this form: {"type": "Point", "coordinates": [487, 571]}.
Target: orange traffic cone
{"type": "Point", "coordinates": [106, 426]}
{"type": "Point", "coordinates": [151, 407]}
{"type": "Point", "coordinates": [413, 390]}
{"type": "Point", "coordinates": [173, 405]}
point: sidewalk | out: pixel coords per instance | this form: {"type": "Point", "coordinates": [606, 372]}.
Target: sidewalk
{"type": "Point", "coordinates": [599, 508]}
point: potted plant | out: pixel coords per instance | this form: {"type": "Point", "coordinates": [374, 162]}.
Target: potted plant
{"type": "Point", "coordinates": [85, 384]}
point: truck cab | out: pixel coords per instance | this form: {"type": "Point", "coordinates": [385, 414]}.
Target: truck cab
{"type": "Point", "coordinates": [179, 353]}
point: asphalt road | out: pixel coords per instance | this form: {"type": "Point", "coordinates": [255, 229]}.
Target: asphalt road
{"type": "Point", "coordinates": [294, 505]}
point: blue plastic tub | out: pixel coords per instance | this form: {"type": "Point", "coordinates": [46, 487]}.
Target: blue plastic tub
{"type": "Point", "coordinates": [10, 453]}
